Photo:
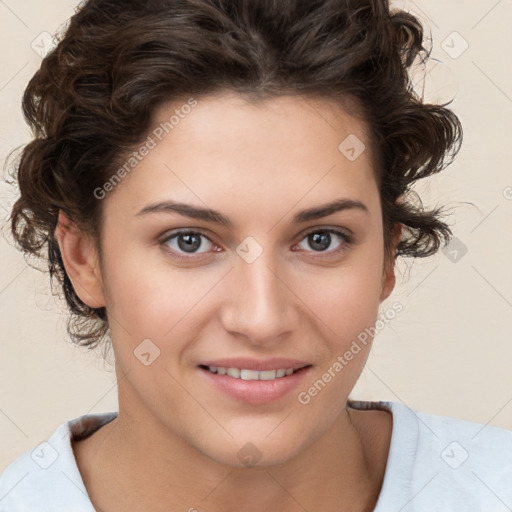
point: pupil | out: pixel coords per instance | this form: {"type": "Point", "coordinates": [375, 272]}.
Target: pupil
{"type": "Point", "coordinates": [189, 242]}
{"type": "Point", "coordinates": [320, 241]}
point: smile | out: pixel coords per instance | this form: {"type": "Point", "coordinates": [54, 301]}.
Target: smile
{"type": "Point", "coordinates": [252, 386]}
{"type": "Point", "coordinates": [245, 374]}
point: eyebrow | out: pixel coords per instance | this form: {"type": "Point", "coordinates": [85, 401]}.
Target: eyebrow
{"type": "Point", "coordinates": [209, 215]}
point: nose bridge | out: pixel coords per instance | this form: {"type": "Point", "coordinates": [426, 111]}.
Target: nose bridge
{"type": "Point", "coordinates": [261, 305]}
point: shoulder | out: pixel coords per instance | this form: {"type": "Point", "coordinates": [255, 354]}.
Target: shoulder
{"type": "Point", "coordinates": [47, 477]}
{"type": "Point", "coordinates": [436, 460]}
{"type": "Point", "coordinates": [485, 449]}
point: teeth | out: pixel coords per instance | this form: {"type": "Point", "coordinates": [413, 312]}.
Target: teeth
{"type": "Point", "coordinates": [234, 372]}
{"type": "Point", "coordinates": [245, 374]}
{"type": "Point", "coordinates": [249, 374]}
{"type": "Point", "coordinates": [267, 375]}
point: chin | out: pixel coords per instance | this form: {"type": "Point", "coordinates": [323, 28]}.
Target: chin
{"type": "Point", "coordinates": [252, 454]}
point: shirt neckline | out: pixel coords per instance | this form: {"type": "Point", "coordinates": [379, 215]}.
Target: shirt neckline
{"type": "Point", "coordinates": [398, 473]}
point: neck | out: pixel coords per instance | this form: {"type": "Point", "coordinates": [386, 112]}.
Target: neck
{"type": "Point", "coordinates": [141, 466]}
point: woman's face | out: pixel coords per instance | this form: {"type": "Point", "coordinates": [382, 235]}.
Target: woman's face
{"type": "Point", "coordinates": [280, 280]}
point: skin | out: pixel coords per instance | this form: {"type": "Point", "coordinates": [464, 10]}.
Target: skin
{"type": "Point", "coordinates": [175, 441]}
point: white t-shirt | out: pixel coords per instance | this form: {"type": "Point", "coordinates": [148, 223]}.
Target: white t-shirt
{"type": "Point", "coordinates": [435, 463]}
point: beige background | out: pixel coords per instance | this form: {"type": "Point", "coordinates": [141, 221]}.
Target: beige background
{"type": "Point", "coordinates": [448, 352]}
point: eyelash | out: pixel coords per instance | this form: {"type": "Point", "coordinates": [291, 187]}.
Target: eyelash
{"type": "Point", "coordinates": [347, 240]}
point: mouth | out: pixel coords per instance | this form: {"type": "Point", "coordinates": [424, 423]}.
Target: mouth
{"type": "Point", "coordinates": [248, 374]}
{"type": "Point", "coordinates": [255, 387]}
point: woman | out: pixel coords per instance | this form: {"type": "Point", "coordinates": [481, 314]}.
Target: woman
{"type": "Point", "coordinates": [222, 189]}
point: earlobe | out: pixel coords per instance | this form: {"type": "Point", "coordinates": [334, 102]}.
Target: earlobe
{"type": "Point", "coordinates": [80, 261]}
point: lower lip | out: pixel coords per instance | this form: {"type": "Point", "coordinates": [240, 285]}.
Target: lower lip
{"type": "Point", "coordinates": [256, 391]}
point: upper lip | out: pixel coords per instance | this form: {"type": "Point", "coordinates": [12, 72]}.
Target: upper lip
{"type": "Point", "coordinates": [255, 364]}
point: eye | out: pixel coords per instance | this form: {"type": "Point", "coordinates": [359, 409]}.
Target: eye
{"type": "Point", "coordinates": [321, 239]}
{"type": "Point", "coordinates": [188, 242]}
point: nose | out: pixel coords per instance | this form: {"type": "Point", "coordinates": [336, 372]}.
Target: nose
{"type": "Point", "coordinates": [259, 304]}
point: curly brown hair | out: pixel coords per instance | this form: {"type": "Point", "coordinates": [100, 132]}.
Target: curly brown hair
{"type": "Point", "coordinates": [94, 95]}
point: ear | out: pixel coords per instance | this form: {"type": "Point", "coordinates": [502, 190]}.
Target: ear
{"type": "Point", "coordinates": [388, 276]}
{"type": "Point", "coordinates": [80, 261]}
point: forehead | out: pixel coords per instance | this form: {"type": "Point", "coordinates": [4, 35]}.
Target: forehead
{"type": "Point", "coordinates": [224, 149]}
{"type": "Point", "coordinates": [230, 118]}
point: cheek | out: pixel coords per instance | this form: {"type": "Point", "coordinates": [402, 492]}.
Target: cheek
{"type": "Point", "coordinates": [347, 305]}
{"type": "Point", "coordinates": [346, 298]}
{"type": "Point", "coordinates": [155, 300]}
{"type": "Point", "coordinates": [344, 313]}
